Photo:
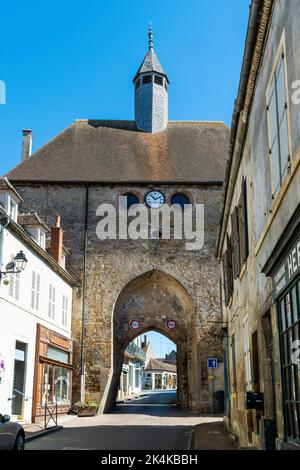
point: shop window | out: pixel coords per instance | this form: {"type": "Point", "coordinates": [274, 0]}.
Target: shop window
{"type": "Point", "coordinates": [57, 354]}
{"type": "Point", "coordinates": [56, 385]}
{"type": "Point", "coordinates": [289, 323]}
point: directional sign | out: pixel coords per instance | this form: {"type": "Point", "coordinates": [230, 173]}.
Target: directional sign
{"type": "Point", "coordinates": [135, 324]}
{"type": "Point", "coordinates": [212, 363]}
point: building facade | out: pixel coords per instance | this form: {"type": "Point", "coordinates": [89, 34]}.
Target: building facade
{"type": "Point", "coordinates": [36, 308]}
{"type": "Point", "coordinates": [259, 235]}
{"type": "Point", "coordinates": [154, 282]}
{"type": "Point", "coordinates": [131, 378]}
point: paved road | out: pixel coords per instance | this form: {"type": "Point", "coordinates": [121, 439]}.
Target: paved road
{"type": "Point", "coordinates": [152, 422]}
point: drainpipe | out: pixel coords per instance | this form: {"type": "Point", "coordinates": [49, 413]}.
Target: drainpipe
{"type": "Point", "coordinates": [83, 318]}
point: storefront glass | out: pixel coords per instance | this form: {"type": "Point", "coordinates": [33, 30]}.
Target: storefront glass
{"type": "Point", "coordinates": [289, 323]}
{"type": "Point", "coordinates": [56, 385]}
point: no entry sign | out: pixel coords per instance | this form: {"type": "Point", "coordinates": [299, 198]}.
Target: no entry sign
{"type": "Point", "coordinates": [134, 324]}
{"type": "Point", "coordinates": [171, 324]}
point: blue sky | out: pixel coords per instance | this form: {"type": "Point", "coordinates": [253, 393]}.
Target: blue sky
{"type": "Point", "coordinates": [63, 60]}
{"type": "Point", "coordinates": [161, 344]}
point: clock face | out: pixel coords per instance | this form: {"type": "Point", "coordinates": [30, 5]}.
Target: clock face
{"type": "Point", "coordinates": [155, 199]}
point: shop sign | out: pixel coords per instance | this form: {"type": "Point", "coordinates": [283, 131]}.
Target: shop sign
{"type": "Point", "coordinates": [288, 269]}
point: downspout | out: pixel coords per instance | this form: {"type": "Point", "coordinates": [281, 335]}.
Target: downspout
{"type": "Point", "coordinates": [83, 318]}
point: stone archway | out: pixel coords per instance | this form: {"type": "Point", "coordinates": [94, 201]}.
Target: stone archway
{"type": "Point", "coordinates": [152, 298]}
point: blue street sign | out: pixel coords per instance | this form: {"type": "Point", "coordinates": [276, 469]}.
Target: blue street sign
{"type": "Point", "coordinates": [212, 363]}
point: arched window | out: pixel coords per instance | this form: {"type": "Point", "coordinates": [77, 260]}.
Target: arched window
{"type": "Point", "coordinates": [132, 199]}
{"type": "Point", "coordinates": [181, 199]}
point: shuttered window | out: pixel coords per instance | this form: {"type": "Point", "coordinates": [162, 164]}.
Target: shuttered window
{"type": "Point", "coordinates": [35, 290]}
{"type": "Point", "coordinates": [243, 224]}
{"type": "Point", "coordinates": [51, 305]}
{"type": "Point", "coordinates": [228, 272]}
{"type": "Point", "coordinates": [235, 235]}
{"type": "Point", "coordinates": [278, 125]}
{"type": "Point", "coordinates": [247, 354]}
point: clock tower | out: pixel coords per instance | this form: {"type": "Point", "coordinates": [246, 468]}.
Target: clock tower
{"type": "Point", "coordinates": [151, 93]}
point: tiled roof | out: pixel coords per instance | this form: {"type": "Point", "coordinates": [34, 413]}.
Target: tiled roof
{"type": "Point", "coordinates": [32, 219]}
{"type": "Point", "coordinates": [156, 364]}
{"type": "Point", "coordinates": [5, 185]}
{"type": "Point", "coordinates": [115, 151]}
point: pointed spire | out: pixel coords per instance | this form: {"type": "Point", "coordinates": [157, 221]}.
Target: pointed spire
{"type": "Point", "coordinates": [150, 35]}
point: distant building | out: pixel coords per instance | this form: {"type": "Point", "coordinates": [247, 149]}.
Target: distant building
{"type": "Point", "coordinates": [36, 348]}
{"type": "Point", "coordinates": [131, 378]}
{"type": "Point", "coordinates": [160, 375]}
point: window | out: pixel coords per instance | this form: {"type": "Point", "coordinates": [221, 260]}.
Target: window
{"type": "Point", "coordinates": [65, 302]}
{"type": "Point", "coordinates": [41, 238]}
{"type": "Point", "coordinates": [35, 290]}
{"type": "Point", "coordinates": [12, 208]}
{"type": "Point", "coordinates": [14, 284]}
{"type": "Point", "coordinates": [228, 271]}
{"type": "Point", "coordinates": [278, 125]}
{"type": "Point", "coordinates": [56, 385]}
{"type": "Point", "coordinates": [158, 80]}
{"type": "Point", "coordinates": [147, 79]}
{"type": "Point", "coordinates": [181, 199]}
{"type": "Point", "coordinates": [233, 360]}
{"type": "Point", "coordinates": [132, 199]}
{"type": "Point", "coordinates": [289, 327]}
{"type": "Point", "coordinates": [247, 357]}
{"type": "Point", "coordinates": [255, 362]}
{"type": "Point", "coordinates": [239, 232]}
{"type": "Point", "coordinates": [51, 305]}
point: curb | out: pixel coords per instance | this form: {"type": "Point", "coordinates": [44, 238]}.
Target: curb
{"type": "Point", "coordinates": [38, 434]}
{"type": "Point", "coordinates": [191, 444]}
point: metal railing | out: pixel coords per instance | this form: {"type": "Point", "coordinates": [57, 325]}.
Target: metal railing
{"type": "Point", "coordinates": [26, 397]}
{"type": "Point", "coordinates": [50, 412]}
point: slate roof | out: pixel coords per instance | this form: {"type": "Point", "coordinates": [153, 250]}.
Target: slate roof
{"type": "Point", "coordinates": [115, 151]}
{"type": "Point", "coordinates": [150, 64]}
{"type": "Point", "coordinates": [156, 364]}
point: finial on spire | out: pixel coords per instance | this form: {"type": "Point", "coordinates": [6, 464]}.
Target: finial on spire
{"type": "Point", "coordinates": [150, 35]}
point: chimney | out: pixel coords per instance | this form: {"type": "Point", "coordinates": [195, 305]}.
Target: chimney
{"type": "Point", "coordinates": [26, 143]}
{"type": "Point", "coordinates": [56, 244]}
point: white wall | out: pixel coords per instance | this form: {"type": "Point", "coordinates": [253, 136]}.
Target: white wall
{"type": "Point", "coordinates": [19, 321]}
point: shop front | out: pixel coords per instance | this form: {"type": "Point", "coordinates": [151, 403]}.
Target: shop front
{"type": "Point", "coordinates": [285, 273]}
{"type": "Point", "coordinates": [53, 372]}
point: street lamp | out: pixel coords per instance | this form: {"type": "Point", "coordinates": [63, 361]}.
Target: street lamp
{"type": "Point", "coordinates": [16, 266]}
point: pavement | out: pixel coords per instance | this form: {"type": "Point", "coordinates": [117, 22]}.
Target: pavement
{"type": "Point", "coordinates": [150, 422]}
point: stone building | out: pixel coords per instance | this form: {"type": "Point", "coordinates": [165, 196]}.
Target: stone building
{"type": "Point", "coordinates": [146, 281]}
{"type": "Point", "coordinates": [259, 236]}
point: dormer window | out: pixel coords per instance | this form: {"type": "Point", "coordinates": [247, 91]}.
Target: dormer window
{"type": "Point", "coordinates": [147, 79]}
{"type": "Point", "coordinates": [13, 209]}
{"type": "Point", "coordinates": [35, 227]}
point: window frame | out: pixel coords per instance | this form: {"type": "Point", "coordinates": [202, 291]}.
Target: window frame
{"type": "Point", "coordinates": [280, 56]}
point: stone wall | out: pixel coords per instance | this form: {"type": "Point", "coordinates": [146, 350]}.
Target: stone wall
{"type": "Point", "coordinates": [114, 264]}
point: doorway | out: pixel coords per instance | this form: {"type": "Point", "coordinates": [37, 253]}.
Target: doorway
{"type": "Point", "coordinates": [18, 390]}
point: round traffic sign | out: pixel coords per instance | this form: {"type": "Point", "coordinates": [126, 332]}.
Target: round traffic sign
{"type": "Point", "coordinates": [171, 324]}
{"type": "Point", "coordinates": [135, 324]}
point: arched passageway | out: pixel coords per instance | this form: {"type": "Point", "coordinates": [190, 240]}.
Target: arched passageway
{"type": "Point", "coordinates": [156, 301]}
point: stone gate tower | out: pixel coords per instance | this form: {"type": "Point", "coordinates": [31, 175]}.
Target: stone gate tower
{"type": "Point", "coordinates": [96, 161]}
{"type": "Point", "coordinates": [151, 93]}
